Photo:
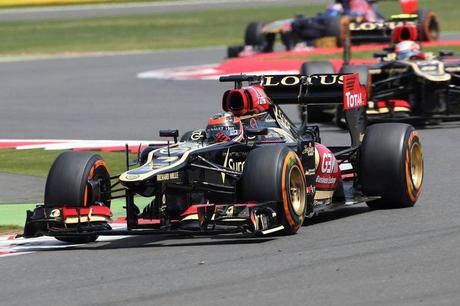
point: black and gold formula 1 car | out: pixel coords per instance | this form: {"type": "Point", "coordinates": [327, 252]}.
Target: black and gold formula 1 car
{"type": "Point", "coordinates": [409, 85]}
{"type": "Point", "coordinates": [425, 22]}
{"type": "Point", "coordinates": [250, 171]}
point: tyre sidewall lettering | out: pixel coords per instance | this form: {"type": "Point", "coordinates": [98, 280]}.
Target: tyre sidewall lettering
{"type": "Point", "coordinates": [291, 217]}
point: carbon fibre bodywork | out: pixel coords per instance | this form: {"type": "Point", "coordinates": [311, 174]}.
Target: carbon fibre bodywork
{"type": "Point", "coordinates": [200, 187]}
{"type": "Point", "coordinates": [430, 85]}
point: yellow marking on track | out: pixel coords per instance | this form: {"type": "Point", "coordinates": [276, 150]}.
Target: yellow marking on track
{"type": "Point", "coordinates": [48, 2]}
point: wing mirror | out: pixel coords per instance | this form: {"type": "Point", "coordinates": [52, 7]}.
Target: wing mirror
{"type": "Point", "coordinates": [170, 133]}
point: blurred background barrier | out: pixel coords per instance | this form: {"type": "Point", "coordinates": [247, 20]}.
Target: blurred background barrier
{"type": "Point", "coordinates": [11, 3]}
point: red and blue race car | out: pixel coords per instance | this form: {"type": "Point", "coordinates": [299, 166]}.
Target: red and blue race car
{"type": "Point", "coordinates": [360, 19]}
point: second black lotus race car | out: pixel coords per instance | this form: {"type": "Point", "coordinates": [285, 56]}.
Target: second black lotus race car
{"type": "Point", "coordinates": [409, 85]}
{"type": "Point", "coordinates": [250, 171]}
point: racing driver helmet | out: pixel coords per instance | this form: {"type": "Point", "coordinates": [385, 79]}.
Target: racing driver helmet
{"type": "Point", "coordinates": [223, 127]}
{"type": "Point", "coordinates": [408, 49]}
{"type": "Point", "coordinates": [334, 10]}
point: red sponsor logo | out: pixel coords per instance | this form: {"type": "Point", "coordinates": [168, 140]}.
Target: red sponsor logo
{"type": "Point", "coordinates": [354, 95]}
{"type": "Point", "coordinates": [327, 164]}
{"type": "Point", "coordinates": [328, 172]}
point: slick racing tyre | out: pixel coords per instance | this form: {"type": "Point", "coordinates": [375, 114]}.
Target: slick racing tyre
{"type": "Point", "coordinates": [77, 179]}
{"type": "Point", "coordinates": [428, 25]}
{"type": "Point", "coordinates": [364, 79]}
{"type": "Point", "coordinates": [337, 26]}
{"type": "Point", "coordinates": [317, 67]}
{"type": "Point", "coordinates": [362, 70]}
{"type": "Point", "coordinates": [255, 37]}
{"type": "Point", "coordinates": [318, 113]}
{"type": "Point", "coordinates": [144, 156]}
{"type": "Point", "coordinates": [275, 174]}
{"type": "Point", "coordinates": [391, 165]}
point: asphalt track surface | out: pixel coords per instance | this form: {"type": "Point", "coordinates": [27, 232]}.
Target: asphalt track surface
{"type": "Point", "coordinates": [350, 257]}
{"type": "Point", "coordinates": [14, 186]}
{"type": "Point", "coordinates": [103, 10]}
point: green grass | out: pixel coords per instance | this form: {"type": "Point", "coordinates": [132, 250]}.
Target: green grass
{"type": "Point", "coordinates": [162, 31]}
{"type": "Point", "coordinates": [44, 3]}
{"type": "Point", "coordinates": [445, 9]}
{"type": "Point", "coordinates": [154, 31]}
{"type": "Point", "coordinates": [38, 162]}
{"type": "Point", "coordinates": [13, 216]}
{"type": "Point", "coordinates": [10, 229]}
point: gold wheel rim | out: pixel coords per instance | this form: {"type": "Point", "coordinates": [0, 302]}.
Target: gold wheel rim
{"type": "Point", "coordinates": [297, 190]}
{"type": "Point", "coordinates": [416, 165]}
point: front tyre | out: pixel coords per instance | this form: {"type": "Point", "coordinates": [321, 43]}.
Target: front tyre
{"type": "Point", "coordinates": [77, 179]}
{"type": "Point", "coordinates": [391, 165]}
{"type": "Point", "coordinates": [275, 174]}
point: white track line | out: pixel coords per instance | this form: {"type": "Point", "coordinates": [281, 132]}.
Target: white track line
{"type": "Point", "coordinates": [66, 144]}
{"type": "Point", "coordinates": [22, 246]}
{"type": "Point", "coordinates": [199, 72]}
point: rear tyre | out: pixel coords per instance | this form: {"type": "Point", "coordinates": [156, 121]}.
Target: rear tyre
{"type": "Point", "coordinates": [337, 27]}
{"type": "Point", "coordinates": [316, 67]}
{"type": "Point", "coordinates": [77, 179]}
{"type": "Point", "coordinates": [361, 70]}
{"type": "Point", "coordinates": [317, 113]}
{"type": "Point", "coordinates": [428, 25]}
{"type": "Point", "coordinates": [254, 35]}
{"type": "Point", "coordinates": [391, 165]}
{"type": "Point", "coordinates": [275, 174]}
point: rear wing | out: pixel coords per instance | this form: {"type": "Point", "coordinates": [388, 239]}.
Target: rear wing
{"type": "Point", "coordinates": [316, 89]}
{"type": "Point", "coordinates": [379, 31]}
{"type": "Point", "coordinates": [343, 90]}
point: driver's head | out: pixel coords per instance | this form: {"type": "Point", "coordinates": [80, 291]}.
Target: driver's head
{"type": "Point", "coordinates": [223, 127]}
{"type": "Point", "coordinates": [335, 9]}
{"type": "Point", "coordinates": [407, 50]}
